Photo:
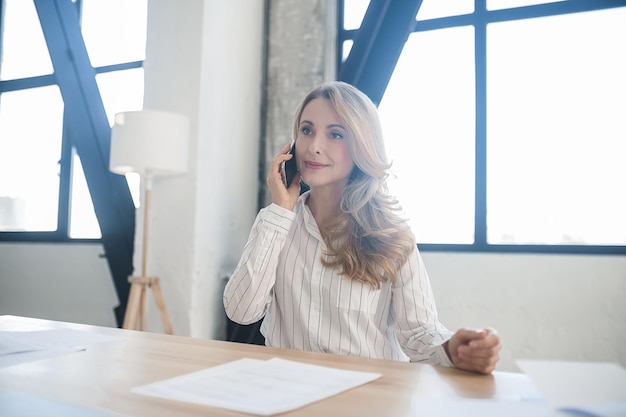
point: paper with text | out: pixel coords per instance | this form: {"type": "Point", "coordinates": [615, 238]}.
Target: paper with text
{"type": "Point", "coordinates": [263, 387]}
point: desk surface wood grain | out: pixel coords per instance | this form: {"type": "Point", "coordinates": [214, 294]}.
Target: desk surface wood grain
{"type": "Point", "coordinates": [102, 375]}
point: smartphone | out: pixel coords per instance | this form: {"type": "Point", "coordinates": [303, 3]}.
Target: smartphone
{"type": "Point", "coordinates": [290, 166]}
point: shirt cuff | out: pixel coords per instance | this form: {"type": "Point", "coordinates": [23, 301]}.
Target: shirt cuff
{"type": "Point", "coordinates": [442, 357]}
{"type": "Point", "coordinates": [279, 217]}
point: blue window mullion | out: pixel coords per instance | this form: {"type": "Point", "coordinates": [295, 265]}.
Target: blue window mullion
{"type": "Point", "coordinates": [65, 175]}
{"type": "Point", "coordinates": [480, 53]}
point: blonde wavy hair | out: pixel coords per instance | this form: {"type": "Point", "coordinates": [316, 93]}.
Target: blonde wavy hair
{"type": "Point", "coordinates": [371, 242]}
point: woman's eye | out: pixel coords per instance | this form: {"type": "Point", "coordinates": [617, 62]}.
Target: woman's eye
{"type": "Point", "coordinates": [336, 135]}
{"type": "Point", "coordinates": [305, 131]}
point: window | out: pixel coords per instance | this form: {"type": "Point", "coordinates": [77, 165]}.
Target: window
{"type": "Point", "coordinates": [43, 191]}
{"type": "Point", "coordinates": [504, 122]}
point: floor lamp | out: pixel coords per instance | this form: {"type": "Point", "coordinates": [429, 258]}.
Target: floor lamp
{"type": "Point", "coordinates": [153, 144]}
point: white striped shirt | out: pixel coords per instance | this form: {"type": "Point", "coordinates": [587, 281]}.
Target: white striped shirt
{"type": "Point", "coordinates": [308, 306]}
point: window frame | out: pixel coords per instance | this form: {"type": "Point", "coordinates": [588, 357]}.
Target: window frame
{"type": "Point", "coordinates": [62, 233]}
{"type": "Point", "coordinates": [479, 20]}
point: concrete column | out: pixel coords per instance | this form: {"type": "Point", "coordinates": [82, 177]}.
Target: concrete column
{"type": "Point", "coordinates": [301, 54]}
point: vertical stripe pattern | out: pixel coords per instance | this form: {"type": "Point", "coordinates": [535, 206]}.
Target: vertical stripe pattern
{"type": "Point", "coordinates": [307, 306]}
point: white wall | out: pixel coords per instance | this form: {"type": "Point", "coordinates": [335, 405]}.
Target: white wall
{"type": "Point", "coordinates": [544, 306]}
{"type": "Point", "coordinates": [204, 59]}
{"type": "Point", "coordinates": [57, 282]}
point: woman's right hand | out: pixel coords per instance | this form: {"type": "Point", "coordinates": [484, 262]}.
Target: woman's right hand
{"type": "Point", "coordinates": [281, 195]}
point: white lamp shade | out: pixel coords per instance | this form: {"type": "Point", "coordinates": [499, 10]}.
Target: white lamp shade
{"type": "Point", "coordinates": [150, 143]}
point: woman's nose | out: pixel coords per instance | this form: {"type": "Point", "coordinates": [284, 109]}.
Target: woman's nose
{"type": "Point", "coordinates": [315, 145]}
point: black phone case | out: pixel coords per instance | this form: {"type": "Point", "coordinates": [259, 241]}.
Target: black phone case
{"type": "Point", "coordinates": [290, 166]}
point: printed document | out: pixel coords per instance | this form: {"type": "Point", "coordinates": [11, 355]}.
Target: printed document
{"type": "Point", "coordinates": [262, 387]}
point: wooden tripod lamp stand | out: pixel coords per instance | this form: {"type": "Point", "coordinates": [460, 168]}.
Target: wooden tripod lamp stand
{"type": "Point", "coordinates": [151, 143]}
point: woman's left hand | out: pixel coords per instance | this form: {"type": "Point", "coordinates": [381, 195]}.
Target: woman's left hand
{"type": "Point", "coordinates": [474, 350]}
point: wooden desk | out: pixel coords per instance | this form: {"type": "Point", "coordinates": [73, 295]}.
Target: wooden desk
{"type": "Point", "coordinates": [103, 374]}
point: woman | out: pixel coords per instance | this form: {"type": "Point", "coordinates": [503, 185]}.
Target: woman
{"type": "Point", "coordinates": [336, 269]}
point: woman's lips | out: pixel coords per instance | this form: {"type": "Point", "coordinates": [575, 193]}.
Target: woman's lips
{"type": "Point", "coordinates": [314, 165]}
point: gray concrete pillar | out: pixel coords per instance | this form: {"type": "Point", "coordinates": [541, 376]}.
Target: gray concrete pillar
{"type": "Point", "coordinates": [301, 53]}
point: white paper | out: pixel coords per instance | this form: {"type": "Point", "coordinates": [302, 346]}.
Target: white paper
{"type": "Point", "coordinates": [512, 395]}
{"type": "Point", "coordinates": [21, 404]}
{"type": "Point", "coordinates": [480, 407]}
{"type": "Point", "coordinates": [263, 387]}
{"type": "Point", "coordinates": [10, 343]}
{"type": "Point", "coordinates": [597, 388]}
{"type": "Point", "coordinates": [20, 347]}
